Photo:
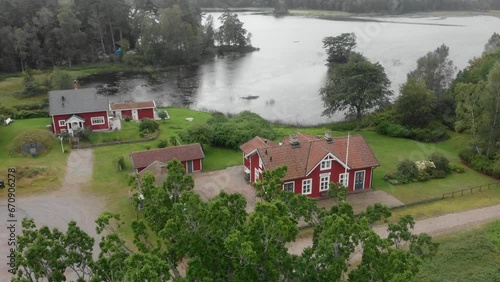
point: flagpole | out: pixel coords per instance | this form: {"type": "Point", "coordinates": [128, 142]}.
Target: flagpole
{"type": "Point", "coordinates": [347, 153]}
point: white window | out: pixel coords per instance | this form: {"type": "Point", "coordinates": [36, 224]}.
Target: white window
{"type": "Point", "coordinates": [62, 123]}
{"type": "Point", "coordinates": [326, 164]}
{"type": "Point", "coordinates": [306, 186]}
{"type": "Point", "coordinates": [324, 182]}
{"type": "Point", "coordinates": [256, 175]}
{"type": "Point", "coordinates": [344, 179]}
{"type": "Point", "coordinates": [97, 120]}
{"type": "Point", "coordinates": [289, 187]}
{"type": "Point", "coordinates": [261, 165]}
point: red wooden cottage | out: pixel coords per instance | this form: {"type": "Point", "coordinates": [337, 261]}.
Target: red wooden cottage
{"type": "Point", "coordinates": [135, 110]}
{"type": "Point", "coordinates": [313, 162]}
{"type": "Point", "coordinates": [72, 110]}
{"type": "Point", "coordinates": [191, 156]}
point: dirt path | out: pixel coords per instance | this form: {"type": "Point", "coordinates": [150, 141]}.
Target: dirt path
{"type": "Point", "coordinates": [440, 225]}
{"type": "Point", "coordinates": [58, 207]}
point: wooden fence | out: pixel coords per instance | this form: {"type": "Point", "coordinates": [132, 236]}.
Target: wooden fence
{"type": "Point", "coordinates": [471, 190]}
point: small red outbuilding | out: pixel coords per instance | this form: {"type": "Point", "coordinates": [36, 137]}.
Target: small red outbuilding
{"type": "Point", "coordinates": [135, 110]}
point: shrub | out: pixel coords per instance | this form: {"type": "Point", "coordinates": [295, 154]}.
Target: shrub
{"type": "Point", "coordinates": [441, 162]}
{"type": "Point", "coordinates": [393, 130]}
{"type": "Point", "coordinates": [428, 134]}
{"type": "Point", "coordinates": [457, 168]}
{"type": "Point", "coordinates": [60, 80]}
{"type": "Point", "coordinates": [148, 125]}
{"type": "Point", "coordinates": [379, 117]}
{"type": "Point", "coordinates": [142, 135]}
{"type": "Point", "coordinates": [25, 114]}
{"type": "Point", "coordinates": [121, 163]}
{"type": "Point", "coordinates": [173, 141]}
{"type": "Point", "coordinates": [408, 170]}
{"type": "Point", "coordinates": [85, 133]}
{"type": "Point", "coordinates": [162, 144]}
{"type": "Point", "coordinates": [162, 114]}
{"type": "Point", "coordinates": [344, 126]}
{"type": "Point", "coordinates": [127, 118]}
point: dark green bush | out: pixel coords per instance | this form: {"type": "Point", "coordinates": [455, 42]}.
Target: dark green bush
{"type": "Point", "coordinates": [344, 126]}
{"type": "Point", "coordinates": [408, 170]}
{"type": "Point", "coordinates": [481, 163]}
{"type": "Point", "coordinates": [23, 114]}
{"type": "Point", "coordinates": [428, 135]}
{"type": "Point", "coordinates": [85, 133]}
{"type": "Point", "coordinates": [121, 162]}
{"type": "Point", "coordinates": [148, 125]}
{"type": "Point", "coordinates": [162, 144]}
{"type": "Point", "coordinates": [441, 162]}
{"type": "Point", "coordinates": [393, 130]}
{"type": "Point", "coordinates": [456, 168]}
{"type": "Point", "coordinates": [60, 80]}
{"type": "Point", "coordinates": [377, 118]}
{"type": "Point", "coordinates": [127, 118]}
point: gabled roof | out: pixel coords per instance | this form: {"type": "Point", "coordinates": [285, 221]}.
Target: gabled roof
{"type": "Point", "coordinates": [300, 161]}
{"type": "Point", "coordinates": [76, 101]}
{"type": "Point", "coordinates": [75, 117]}
{"type": "Point", "coordinates": [134, 105]}
{"type": "Point", "coordinates": [181, 153]}
{"type": "Point", "coordinates": [256, 143]}
{"type": "Point", "coordinates": [158, 170]}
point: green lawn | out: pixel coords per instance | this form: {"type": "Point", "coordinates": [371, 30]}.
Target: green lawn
{"type": "Point", "coordinates": [54, 160]}
{"type": "Point", "coordinates": [469, 256]}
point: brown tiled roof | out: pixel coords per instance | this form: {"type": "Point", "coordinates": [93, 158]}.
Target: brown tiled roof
{"type": "Point", "coordinates": [134, 105]}
{"type": "Point", "coordinates": [181, 153]}
{"type": "Point", "coordinates": [300, 161]}
{"type": "Point", "coordinates": [256, 143]}
{"type": "Point", "coordinates": [158, 170]}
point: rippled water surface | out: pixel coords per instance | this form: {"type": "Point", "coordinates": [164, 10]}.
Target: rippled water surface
{"type": "Point", "coordinates": [281, 81]}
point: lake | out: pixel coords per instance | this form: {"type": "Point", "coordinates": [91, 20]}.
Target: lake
{"type": "Point", "coordinates": [283, 78]}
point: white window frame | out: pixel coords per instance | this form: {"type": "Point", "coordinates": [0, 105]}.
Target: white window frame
{"type": "Point", "coordinates": [62, 122]}
{"type": "Point", "coordinates": [93, 122]}
{"type": "Point", "coordinates": [307, 186]}
{"type": "Point", "coordinates": [256, 175]}
{"type": "Point", "coordinates": [364, 179]}
{"type": "Point", "coordinates": [326, 164]}
{"type": "Point", "coordinates": [324, 182]}
{"type": "Point", "coordinates": [261, 165]}
{"type": "Point", "coordinates": [344, 179]}
{"type": "Point", "coordinates": [293, 186]}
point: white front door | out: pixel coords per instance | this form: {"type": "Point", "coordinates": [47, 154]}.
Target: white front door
{"type": "Point", "coordinates": [135, 115]}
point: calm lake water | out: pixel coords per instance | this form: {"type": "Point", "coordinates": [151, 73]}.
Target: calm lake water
{"type": "Point", "coordinates": [284, 77]}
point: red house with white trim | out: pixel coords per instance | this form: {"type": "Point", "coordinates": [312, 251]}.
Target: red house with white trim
{"type": "Point", "coordinates": [73, 110]}
{"type": "Point", "coordinates": [135, 110]}
{"type": "Point", "coordinates": [191, 156]}
{"type": "Point", "coordinates": [313, 162]}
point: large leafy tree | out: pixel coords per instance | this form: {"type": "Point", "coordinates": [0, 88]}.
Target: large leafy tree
{"type": "Point", "coordinates": [232, 32]}
{"type": "Point", "coordinates": [416, 103]}
{"type": "Point", "coordinates": [493, 43]}
{"type": "Point", "coordinates": [356, 87]}
{"type": "Point", "coordinates": [339, 48]}
{"type": "Point", "coordinates": [222, 242]}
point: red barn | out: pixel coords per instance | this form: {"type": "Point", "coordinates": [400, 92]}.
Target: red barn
{"type": "Point", "coordinates": [313, 163]}
{"type": "Point", "coordinates": [191, 156]}
{"type": "Point", "coordinates": [72, 110]}
{"type": "Point", "coordinates": [136, 110]}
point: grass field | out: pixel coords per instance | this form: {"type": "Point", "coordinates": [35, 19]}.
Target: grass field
{"type": "Point", "coordinates": [468, 256]}
{"type": "Point", "coordinates": [54, 161]}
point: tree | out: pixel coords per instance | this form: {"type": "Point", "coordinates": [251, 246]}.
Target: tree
{"type": "Point", "coordinates": [436, 70]}
{"type": "Point", "coordinates": [493, 43]}
{"type": "Point", "coordinates": [231, 31]}
{"type": "Point", "coordinates": [60, 80]}
{"type": "Point", "coordinates": [51, 254]}
{"type": "Point", "coordinates": [416, 103]}
{"type": "Point", "coordinates": [162, 114]}
{"type": "Point", "coordinates": [70, 37]}
{"type": "Point", "coordinates": [339, 48]}
{"type": "Point", "coordinates": [280, 8]}
{"type": "Point", "coordinates": [355, 87]}
{"type": "Point", "coordinates": [491, 130]}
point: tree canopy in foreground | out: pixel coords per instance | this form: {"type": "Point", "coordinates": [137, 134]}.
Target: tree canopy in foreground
{"type": "Point", "coordinates": [220, 241]}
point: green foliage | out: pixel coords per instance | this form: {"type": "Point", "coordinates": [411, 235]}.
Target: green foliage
{"type": "Point", "coordinates": [441, 162]}
{"type": "Point", "coordinates": [60, 80]}
{"type": "Point", "coordinates": [493, 43]}
{"type": "Point", "coordinates": [85, 133]}
{"type": "Point", "coordinates": [393, 130]}
{"type": "Point", "coordinates": [228, 132]}
{"type": "Point", "coordinates": [339, 48]}
{"type": "Point", "coordinates": [231, 31]}
{"type": "Point", "coordinates": [481, 163]}
{"type": "Point", "coordinates": [148, 125]}
{"type": "Point", "coordinates": [121, 163]}
{"type": "Point", "coordinates": [30, 86]}
{"type": "Point", "coordinates": [52, 254]}
{"type": "Point", "coordinates": [432, 134]}
{"type": "Point", "coordinates": [173, 141]}
{"type": "Point", "coordinates": [355, 87]}
{"type": "Point", "coordinates": [415, 104]}
{"type": "Point", "coordinates": [127, 118]}
{"type": "Point", "coordinates": [162, 114]}
{"type": "Point", "coordinates": [162, 143]}
{"type": "Point", "coordinates": [457, 168]}
{"type": "Point", "coordinates": [42, 140]}
{"type": "Point", "coordinates": [408, 170]}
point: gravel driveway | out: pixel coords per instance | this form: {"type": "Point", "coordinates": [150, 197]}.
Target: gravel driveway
{"type": "Point", "coordinates": [58, 207]}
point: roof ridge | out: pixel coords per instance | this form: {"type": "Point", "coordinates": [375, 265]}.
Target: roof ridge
{"type": "Point", "coordinates": [308, 157]}
{"type": "Point", "coordinates": [166, 148]}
